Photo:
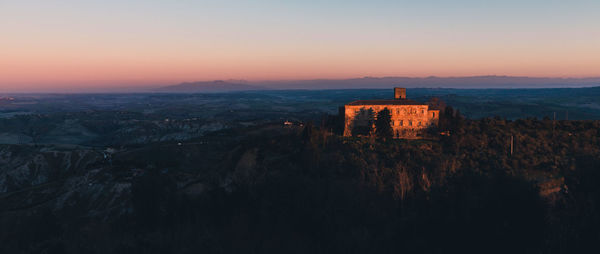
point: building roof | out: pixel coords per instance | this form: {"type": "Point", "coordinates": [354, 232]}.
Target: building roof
{"type": "Point", "coordinates": [384, 102]}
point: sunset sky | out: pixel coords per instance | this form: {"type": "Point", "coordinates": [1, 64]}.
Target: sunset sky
{"type": "Point", "coordinates": [55, 44]}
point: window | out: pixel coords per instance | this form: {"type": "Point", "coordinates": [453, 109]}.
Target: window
{"type": "Point", "coordinates": [401, 122]}
{"type": "Point", "coordinates": [410, 123]}
{"type": "Point", "coordinates": [433, 114]}
{"type": "Point", "coordinates": [422, 111]}
{"type": "Point", "coordinates": [419, 124]}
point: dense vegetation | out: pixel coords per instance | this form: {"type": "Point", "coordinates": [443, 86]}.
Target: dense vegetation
{"type": "Point", "coordinates": [305, 189]}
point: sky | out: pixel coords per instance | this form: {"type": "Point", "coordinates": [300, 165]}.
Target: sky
{"type": "Point", "coordinates": [74, 44]}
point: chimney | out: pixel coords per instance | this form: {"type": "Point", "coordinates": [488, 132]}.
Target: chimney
{"type": "Point", "coordinates": [399, 93]}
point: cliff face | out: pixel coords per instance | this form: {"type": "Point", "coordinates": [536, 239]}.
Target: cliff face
{"type": "Point", "coordinates": [49, 195]}
{"type": "Point", "coordinates": [55, 196]}
{"type": "Point", "coordinates": [51, 177]}
{"type": "Point", "coordinates": [25, 166]}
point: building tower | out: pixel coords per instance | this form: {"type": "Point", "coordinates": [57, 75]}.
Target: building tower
{"type": "Point", "coordinates": [399, 93]}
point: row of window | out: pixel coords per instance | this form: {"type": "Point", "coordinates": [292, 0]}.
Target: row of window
{"type": "Point", "coordinates": [398, 111]}
{"type": "Point", "coordinates": [401, 123]}
{"type": "Point", "coordinates": [410, 123]}
{"type": "Point", "coordinates": [364, 112]}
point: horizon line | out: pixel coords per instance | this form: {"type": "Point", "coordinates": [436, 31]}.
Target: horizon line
{"type": "Point", "coordinates": [162, 81]}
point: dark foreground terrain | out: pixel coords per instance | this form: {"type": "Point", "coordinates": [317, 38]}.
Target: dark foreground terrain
{"type": "Point", "coordinates": [134, 178]}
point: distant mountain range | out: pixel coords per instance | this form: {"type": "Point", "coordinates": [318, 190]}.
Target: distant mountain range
{"type": "Point", "coordinates": [208, 87]}
{"type": "Point", "coordinates": [383, 82]}
{"type": "Point", "coordinates": [436, 82]}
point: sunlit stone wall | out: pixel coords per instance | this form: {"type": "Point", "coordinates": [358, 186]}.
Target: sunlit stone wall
{"type": "Point", "coordinates": [407, 120]}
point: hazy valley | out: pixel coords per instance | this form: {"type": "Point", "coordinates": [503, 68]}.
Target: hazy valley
{"type": "Point", "coordinates": [115, 173]}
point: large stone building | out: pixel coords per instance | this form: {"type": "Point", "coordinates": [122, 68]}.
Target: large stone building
{"type": "Point", "coordinates": [409, 118]}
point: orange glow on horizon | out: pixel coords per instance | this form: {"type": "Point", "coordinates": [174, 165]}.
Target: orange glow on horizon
{"type": "Point", "coordinates": [40, 68]}
{"type": "Point", "coordinates": [119, 43]}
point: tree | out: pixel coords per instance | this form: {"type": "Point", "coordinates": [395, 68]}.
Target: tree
{"type": "Point", "coordinates": [362, 130]}
{"type": "Point", "coordinates": [383, 127]}
{"type": "Point", "coordinates": [436, 103]}
{"type": "Point", "coordinates": [307, 132]}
